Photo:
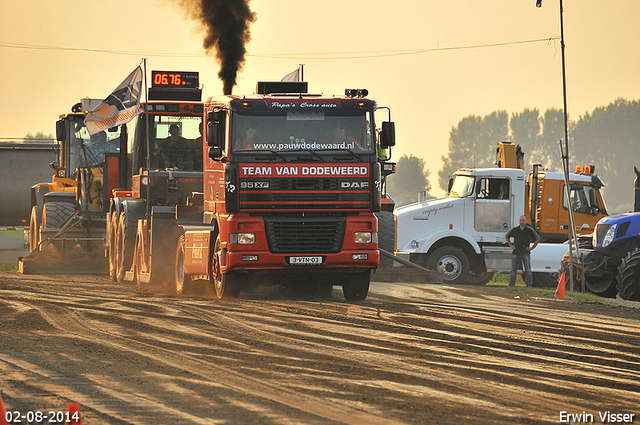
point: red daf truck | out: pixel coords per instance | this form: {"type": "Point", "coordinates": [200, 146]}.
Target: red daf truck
{"type": "Point", "coordinates": [291, 182]}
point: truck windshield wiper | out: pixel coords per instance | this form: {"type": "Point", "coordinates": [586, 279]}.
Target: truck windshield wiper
{"type": "Point", "coordinates": [311, 151]}
{"type": "Point", "coordinates": [274, 153]}
{"type": "Point", "coordinates": [354, 154]}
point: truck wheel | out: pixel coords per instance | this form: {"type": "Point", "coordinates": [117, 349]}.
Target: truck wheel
{"type": "Point", "coordinates": [181, 280]}
{"type": "Point", "coordinates": [451, 263]}
{"type": "Point", "coordinates": [111, 244]}
{"type": "Point", "coordinates": [34, 229]}
{"type": "Point", "coordinates": [386, 236]}
{"type": "Point", "coordinates": [479, 278]}
{"type": "Point", "coordinates": [629, 276]}
{"type": "Point", "coordinates": [545, 280]}
{"type": "Point", "coordinates": [356, 287]}
{"type": "Point", "coordinates": [125, 249]}
{"type": "Point", "coordinates": [225, 285]}
{"type": "Point", "coordinates": [54, 214]}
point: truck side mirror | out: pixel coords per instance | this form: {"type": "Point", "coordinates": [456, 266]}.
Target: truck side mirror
{"type": "Point", "coordinates": [60, 133]}
{"type": "Point", "coordinates": [388, 134]}
{"type": "Point", "coordinates": [216, 128]}
{"type": "Point", "coordinates": [215, 153]}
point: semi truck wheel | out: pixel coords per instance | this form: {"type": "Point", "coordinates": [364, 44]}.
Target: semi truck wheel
{"type": "Point", "coordinates": [111, 244]}
{"type": "Point", "coordinates": [628, 279]}
{"type": "Point", "coordinates": [386, 236]}
{"type": "Point", "coordinates": [125, 249]}
{"type": "Point", "coordinates": [545, 280]}
{"type": "Point", "coordinates": [225, 285]}
{"type": "Point", "coordinates": [356, 287]}
{"type": "Point", "coordinates": [479, 278]}
{"type": "Point", "coordinates": [451, 263]}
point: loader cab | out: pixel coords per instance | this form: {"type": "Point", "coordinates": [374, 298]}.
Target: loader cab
{"type": "Point", "coordinates": [79, 149]}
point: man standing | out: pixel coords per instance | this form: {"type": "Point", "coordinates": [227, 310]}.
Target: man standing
{"type": "Point", "coordinates": [519, 239]}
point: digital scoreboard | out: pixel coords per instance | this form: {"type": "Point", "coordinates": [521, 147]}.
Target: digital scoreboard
{"type": "Point", "coordinates": [176, 85]}
{"type": "Point", "coordinates": [174, 79]}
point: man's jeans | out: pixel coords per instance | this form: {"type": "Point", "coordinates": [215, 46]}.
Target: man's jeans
{"type": "Point", "coordinates": [526, 265]}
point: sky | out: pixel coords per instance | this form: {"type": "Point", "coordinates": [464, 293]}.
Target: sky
{"type": "Point", "coordinates": [432, 62]}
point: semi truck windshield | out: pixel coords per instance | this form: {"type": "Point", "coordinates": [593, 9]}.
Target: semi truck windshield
{"type": "Point", "coordinates": [295, 131]}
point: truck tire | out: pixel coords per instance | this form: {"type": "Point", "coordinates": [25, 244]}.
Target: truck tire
{"type": "Point", "coordinates": [34, 229]}
{"type": "Point", "coordinates": [225, 285]}
{"type": "Point", "coordinates": [126, 246]}
{"type": "Point", "coordinates": [356, 287]}
{"type": "Point", "coordinates": [111, 244]}
{"type": "Point", "coordinates": [181, 280]}
{"type": "Point", "coordinates": [479, 278]}
{"type": "Point", "coordinates": [451, 263]}
{"type": "Point", "coordinates": [54, 214]}
{"type": "Point", "coordinates": [628, 279]}
{"type": "Point", "coordinates": [545, 280]}
{"type": "Point", "coordinates": [386, 236]}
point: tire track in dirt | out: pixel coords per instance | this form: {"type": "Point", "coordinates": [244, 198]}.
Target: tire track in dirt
{"type": "Point", "coordinates": [437, 354]}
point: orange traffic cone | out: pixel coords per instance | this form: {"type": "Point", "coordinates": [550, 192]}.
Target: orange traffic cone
{"type": "Point", "coordinates": [73, 414]}
{"type": "Point", "coordinates": [3, 418]}
{"type": "Point", "coordinates": [560, 289]}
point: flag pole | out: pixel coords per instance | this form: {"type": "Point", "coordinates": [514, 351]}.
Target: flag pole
{"type": "Point", "coordinates": [146, 119]}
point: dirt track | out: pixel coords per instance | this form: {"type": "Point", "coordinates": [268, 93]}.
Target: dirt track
{"type": "Point", "coordinates": [408, 354]}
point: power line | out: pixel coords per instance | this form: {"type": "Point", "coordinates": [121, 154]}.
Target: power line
{"type": "Point", "coordinates": [306, 56]}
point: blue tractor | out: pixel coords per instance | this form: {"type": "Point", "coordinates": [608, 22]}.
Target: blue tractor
{"type": "Point", "coordinates": [612, 262]}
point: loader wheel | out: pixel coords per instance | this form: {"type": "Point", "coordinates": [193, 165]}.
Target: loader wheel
{"type": "Point", "coordinates": [225, 285]}
{"type": "Point", "coordinates": [181, 280]}
{"type": "Point", "coordinates": [356, 287]}
{"type": "Point", "coordinates": [54, 214]}
{"type": "Point", "coordinates": [451, 263]}
{"type": "Point", "coordinates": [386, 236]}
{"type": "Point", "coordinates": [34, 229]}
{"type": "Point", "coordinates": [125, 249]}
{"type": "Point", "coordinates": [629, 277]}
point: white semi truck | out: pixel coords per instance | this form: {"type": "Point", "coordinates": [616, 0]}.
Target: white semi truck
{"type": "Point", "coordinates": [462, 236]}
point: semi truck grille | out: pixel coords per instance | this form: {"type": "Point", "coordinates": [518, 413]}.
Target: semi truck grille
{"type": "Point", "coordinates": [291, 235]}
{"type": "Point", "coordinates": [305, 194]}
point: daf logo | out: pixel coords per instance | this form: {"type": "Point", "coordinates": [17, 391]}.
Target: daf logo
{"type": "Point", "coordinates": [353, 185]}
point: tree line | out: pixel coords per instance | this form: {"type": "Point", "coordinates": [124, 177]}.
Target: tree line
{"type": "Point", "coordinates": [608, 138]}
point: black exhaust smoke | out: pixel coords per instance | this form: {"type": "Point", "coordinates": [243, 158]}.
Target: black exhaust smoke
{"type": "Point", "coordinates": [226, 25]}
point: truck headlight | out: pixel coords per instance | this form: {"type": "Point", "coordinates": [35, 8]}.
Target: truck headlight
{"type": "Point", "coordinates": [608, 237]}
{"type": "Point", "coordinates": [242, 238]}
{"type": "Point", "coordinates": [365, 237]}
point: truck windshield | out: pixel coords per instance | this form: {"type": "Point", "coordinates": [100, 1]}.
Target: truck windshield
{"type": "Point", "coordinates": [293, 131]}
{"type": "Point", "coordinates": [87, 150]}
{"type": "Point", "coordinates": [462, 187]}
{"type": "Point", "coordinates": [176, 142]}
{"type": "Point", "coordinates": [583, 199]}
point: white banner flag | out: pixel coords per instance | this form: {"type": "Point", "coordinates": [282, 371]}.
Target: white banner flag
{"type": "Point", "coordinates": [119, 107]}
{"type": "Point", "coordinates": [292, 76]}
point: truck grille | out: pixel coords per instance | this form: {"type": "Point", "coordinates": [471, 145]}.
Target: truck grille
{"type": "Point", "coordinates": [291, 235]}
{"type": "Point", "coordinates": [306, 194]}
